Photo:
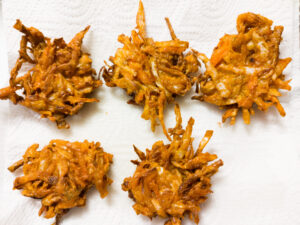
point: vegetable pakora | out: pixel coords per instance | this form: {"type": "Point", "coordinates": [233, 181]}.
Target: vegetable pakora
{"type": "Point", "coordinates": [152, 72]}
{"type": "Point", "coordinates": [171, 179]}
{"type": "Point", "coordinates": [62, 173]}
{"type": "Point", "coordinates": [245, 69]}
{"type": "Point", "coordinates": [60, 79]}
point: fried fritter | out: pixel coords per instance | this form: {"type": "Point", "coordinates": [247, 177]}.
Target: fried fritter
{"type": "Point", "coordinates": [62, 173]}
{"type": "Point", "coordinates": [171, 179]}
{"type": "Point", "coordinates": [245, 69]}
{"type": "Point", "coordinates": [60, 79]}
{"type": "Point", "coordinates": [152, 72]}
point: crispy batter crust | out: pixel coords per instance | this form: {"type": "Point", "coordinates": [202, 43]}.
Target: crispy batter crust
{"type": "Point", "coordinates": [60, 79]}
{"type": "Point", "coordinates": [62, 173]}
{"type": "Point", "coordinates": [245, 69]}
{"type": "Point", "coordinates": [171, 180]}
{"type": "Point", "coordinates": [151, 72]}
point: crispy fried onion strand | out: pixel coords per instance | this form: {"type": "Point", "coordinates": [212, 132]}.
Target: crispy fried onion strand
{"type": "Point", "coordinates": [151, 72]}
{"type": "Point", "coordinates": [172, 179]}
{"type": "Point", "coordinates": [62, 173]}
{"type": "Point", "coordinates": [245, 69]}
{"type": "Point", "coordinates": [60, 79]}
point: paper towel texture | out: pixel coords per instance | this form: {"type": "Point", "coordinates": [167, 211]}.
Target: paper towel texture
{"type": "Point", "coordinates": [259, 182]}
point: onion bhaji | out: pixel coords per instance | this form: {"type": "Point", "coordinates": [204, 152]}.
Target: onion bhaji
{"type": "Point", "coordinates": [245, 69]}
{"type": "Point", "coordinates": [171, 179]}
{"type": "Point", "coordinates": [62, 173]}
{"type": "Point", "coordinates": [60, 79]}
{"type": "Point", "coordinates": [152, 72]}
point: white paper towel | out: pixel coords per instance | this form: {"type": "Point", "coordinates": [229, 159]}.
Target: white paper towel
{"type": "Point", "coordinates": [260, 180]}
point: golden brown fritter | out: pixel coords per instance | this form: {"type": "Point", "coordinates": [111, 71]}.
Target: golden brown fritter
{"type": "Point", "coordinates": [171, 179]}
{"type": "Point", "coordinates": [62, 173]}
{"type": "Point", "coordinates": [60, 79]}
{"type": "Point", "coordinates": [152, 72]}
{"type": "Point", "coordinates": [245, 69]}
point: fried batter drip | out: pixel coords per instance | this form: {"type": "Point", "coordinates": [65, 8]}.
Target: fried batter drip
{"type": "Point", "coordinates": [152, 72]}
{"type": "Point", "coordinates": [245, 69]}
{"type": "Point", "coordinates": [60, 79]}
{"type": "Point", "coordinates": [171, 180]}
{"type": "Point", "coordinates": [62, 173]}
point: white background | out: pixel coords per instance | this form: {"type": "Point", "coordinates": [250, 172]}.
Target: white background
{"type": "Point", "coordinates": [259, 183]}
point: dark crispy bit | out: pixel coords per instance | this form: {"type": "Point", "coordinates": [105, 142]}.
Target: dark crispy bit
{"type": "Point", "coordinates": [245, 69]}
{"type": "Point", "coordinates": [62, 173]}
{"type": "Point", "coordinates": [60, 79]}
{"type": "Point", "coordinates": [171, 180]}
{"type": "Point", "coordinates": [151, 72]}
